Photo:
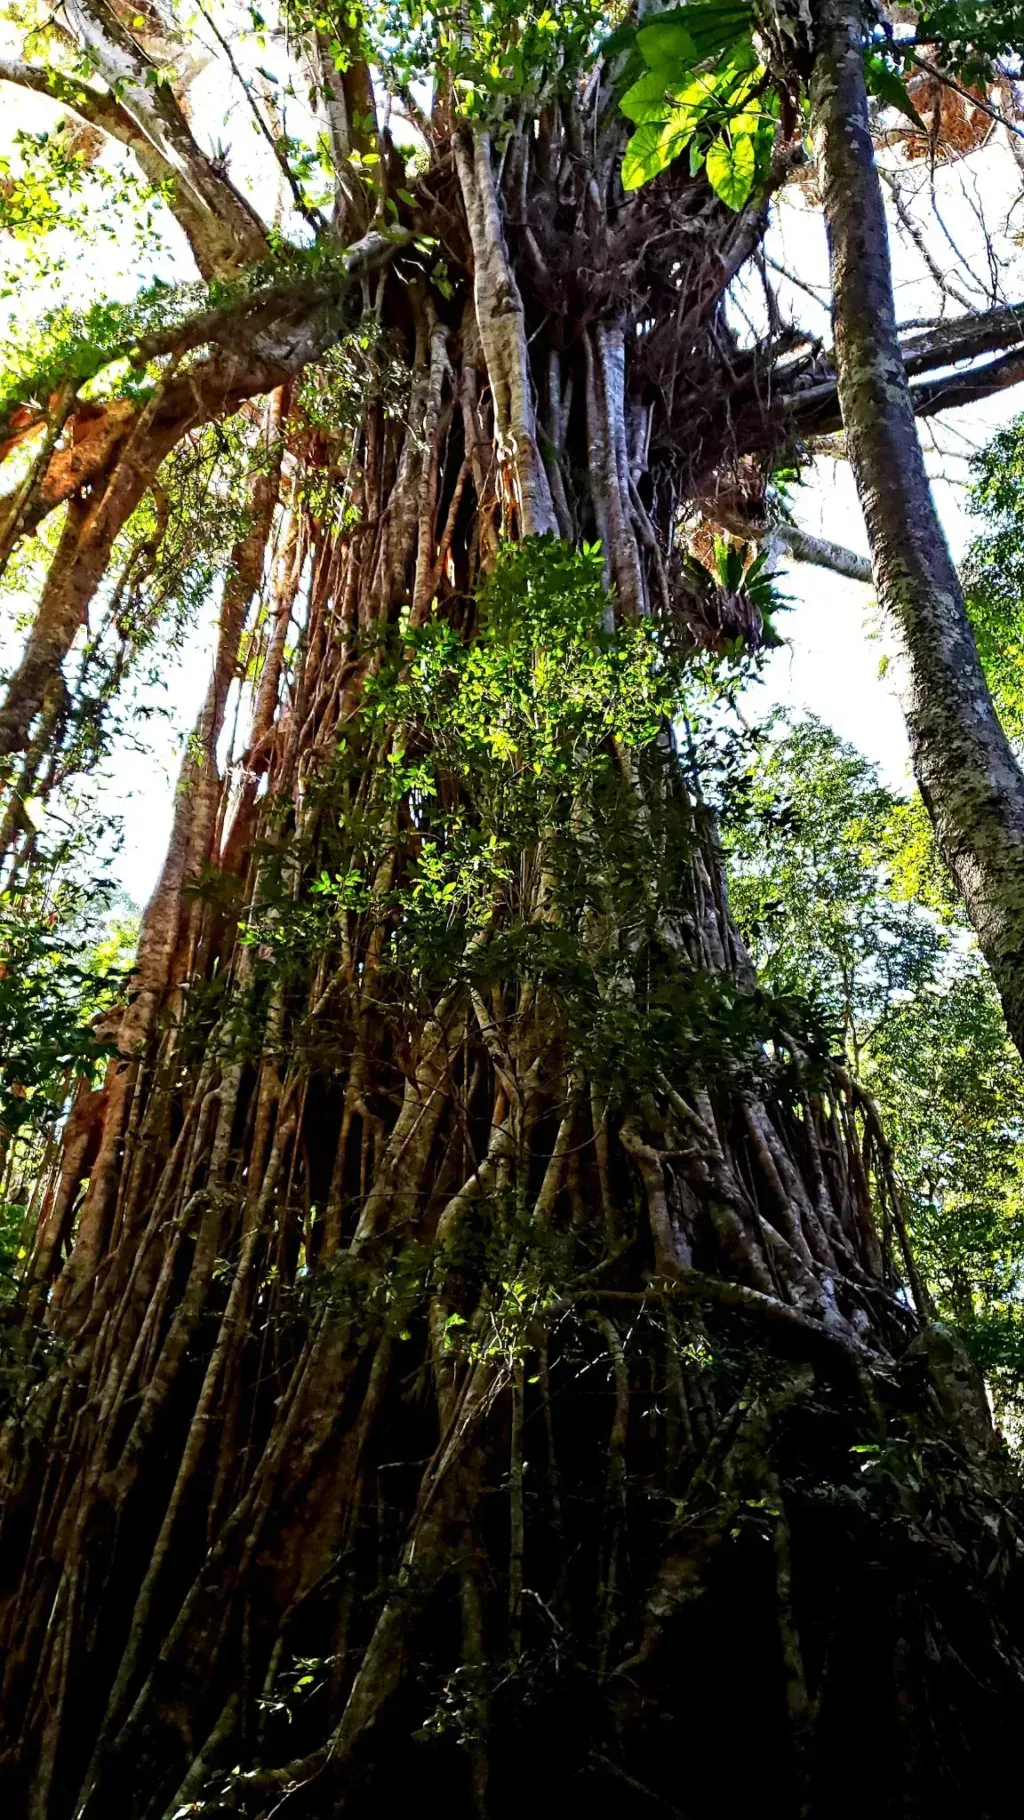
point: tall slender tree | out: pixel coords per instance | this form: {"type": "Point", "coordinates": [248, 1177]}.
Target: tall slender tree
{"type": "Point", "coordinates": [963, 760]}
{"type": "Point", "coordinates": [471, 1326]}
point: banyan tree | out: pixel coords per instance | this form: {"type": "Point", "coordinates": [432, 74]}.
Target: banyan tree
{"type": "Point", "coordinates": [470, 1349]}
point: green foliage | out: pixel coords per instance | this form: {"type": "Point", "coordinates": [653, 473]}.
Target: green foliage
{"type": "Point", "coordinates": [363, 367]}
{"type": "Point", "coordinates": [743, 571]}
{"type": "Point", "coordinates": [835, 883]}
{"type": "Point", "coordinates": [165, 569]}
{"type": "Point", "coordinates": [492, 56]}
{"type": "Point", "coordinates": [519, 718]}
{"type": "Point", "coordinates": [973, 34]}
{"type": "Point", "coordinates": [887, 87]}
{"type": "Point", "coordinates": [73, 344]}
{"type": "Point", "coordinates": [703, 89]}
{"type": "Point", "coordinates": [951, 1090]}
{"type": "Point", "coordinates": [819, 883]}
{"type": "Point", "coordinates": [65, 952]}
{"type": "Point", "coordinates": [487, 746]}
{"type": "Point", "coordinates": [705, 83]}
{"type": "Point", "coordinates": [61, 967]}
{"type": "Point", "coordinates": [545, 681]}
{"type": "Point", "coordinates": [99, 345]}
{"type": "Point", "coordinates": [993, 572]}
{"type": "Point", "coordinates": [505, 769]}
{"type": "Point", "coordinates": [62, 205]}
{"type": "Point", "coordinates": [515, 55]}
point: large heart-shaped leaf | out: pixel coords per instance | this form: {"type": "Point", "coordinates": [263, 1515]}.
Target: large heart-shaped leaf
{"type": "Point", "coordinates": [731, 167]}
{"type": "Point", "coordinates": [655, 146]}
{"type": "Point", "coordinates": [648, 99]}
{"type": "Point", "coordinates": [687, 35]}
{"type": "Point", "coordinates": [667, 47]}
{"type": "Point", "coordinates": [886, 86]}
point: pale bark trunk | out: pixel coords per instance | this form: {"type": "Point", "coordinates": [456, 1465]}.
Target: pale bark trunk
{"type": "Point", "coordinates": [964, 765]}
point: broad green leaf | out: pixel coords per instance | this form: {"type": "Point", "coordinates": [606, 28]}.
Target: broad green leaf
{"type": "Point", "coordinates": [720, 89]}
{"type": "Point", "coordinates": [743, 56]}
{"type": "Point", "coordinates": [642, 159]}
{"type": "Point", "coordinates": [748, 124]}
{"type": "Point", "coordinates": [731, 169]}
{"type": "Point", "coordinates": [655, 145]}
{"type": "Point", "coordinates": [687, 35]}
{"type": "Point", "coordinates": [886, 86]}
{"type": "Point", "coordinates": [648, 99]}
{"type": "Point", "coordinates": [667, 47]}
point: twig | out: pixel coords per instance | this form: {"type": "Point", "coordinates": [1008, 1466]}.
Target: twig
{"type": "Point", "coordinates": [313, 216]}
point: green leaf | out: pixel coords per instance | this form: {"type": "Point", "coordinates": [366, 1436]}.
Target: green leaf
{"type": "Point", "coordinates": [667, 47]}
{"type": "Point", "coordinates": [687, 35]}
{"type": "Point", "coordinates": [886, 86]}
{"type": "Point", "coordinates": [731, 169]}
{"type": "Point", "coordinates": [655, 145]}
{"type": "Point", "coordinates": [648, 99]}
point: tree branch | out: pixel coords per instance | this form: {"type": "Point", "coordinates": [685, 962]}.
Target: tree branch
{"type": "Point", "coordinates": [224, 230]}
{"type": "Point", "coordinates": [821, 552]}
{"type": "Point", "coordinates": [214, 253]}
{"type": "Point", "coordinates": [968, 388]}
{"type": "Point", "coordinates": [813, 402]}
{"type": "Point", "coordinates": [311, 215]}
{"type": "Point", "coordinates": [257, 344]}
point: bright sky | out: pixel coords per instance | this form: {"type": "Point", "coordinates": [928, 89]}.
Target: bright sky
{"type": "Point", "coordinates": [830, 666]}
{"type": "Point", "coordinates": [836, 643]}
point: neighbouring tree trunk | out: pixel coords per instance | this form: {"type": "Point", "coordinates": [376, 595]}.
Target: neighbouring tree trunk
{"type": "Point", "coordinates": [471, 1356]}
{"type": "Point", "coordinates": [968, 776]}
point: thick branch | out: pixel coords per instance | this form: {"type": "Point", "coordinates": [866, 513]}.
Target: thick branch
{"type": "Point", "coordinates": [968, 387]}
{"type": "Point", "coordinates": [821, 552]}
{"type": "Point", "coordinates": [256, 345]}
{"type": "Point", "coordinates": [813, 398]}
{"type": "Point", "coordinates": [217, 252]}
{"type": "Point", "coordinates": [225, 231]}
{"type": "Point", "coordinates": [128, 445]}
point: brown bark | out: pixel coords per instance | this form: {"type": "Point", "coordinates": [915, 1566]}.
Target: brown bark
{"type": "Point", "coordinates": [190, 846]}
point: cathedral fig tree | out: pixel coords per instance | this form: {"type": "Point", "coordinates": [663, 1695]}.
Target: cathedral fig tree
{"type": "Point", "coordinates": [463, 1346]}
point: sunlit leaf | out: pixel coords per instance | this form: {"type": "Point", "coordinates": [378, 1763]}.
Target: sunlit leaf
{"type": "Point", "coordinates": [731, 168]}
{"type": "Point", "coordinates": [887, 87]}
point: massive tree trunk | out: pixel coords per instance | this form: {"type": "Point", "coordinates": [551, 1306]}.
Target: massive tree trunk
{"type": "Point", "coordinates": [473, 1329]}
{"type": "Point", "coordinates": [968, 775]}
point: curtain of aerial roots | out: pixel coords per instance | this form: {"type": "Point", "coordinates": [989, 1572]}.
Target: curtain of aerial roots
{"type": "Point", "coordinates": [292, 1516]}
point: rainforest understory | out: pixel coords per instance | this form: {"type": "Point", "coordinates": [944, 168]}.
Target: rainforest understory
{"type": "Point", "coordinates": [468, 1347]}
